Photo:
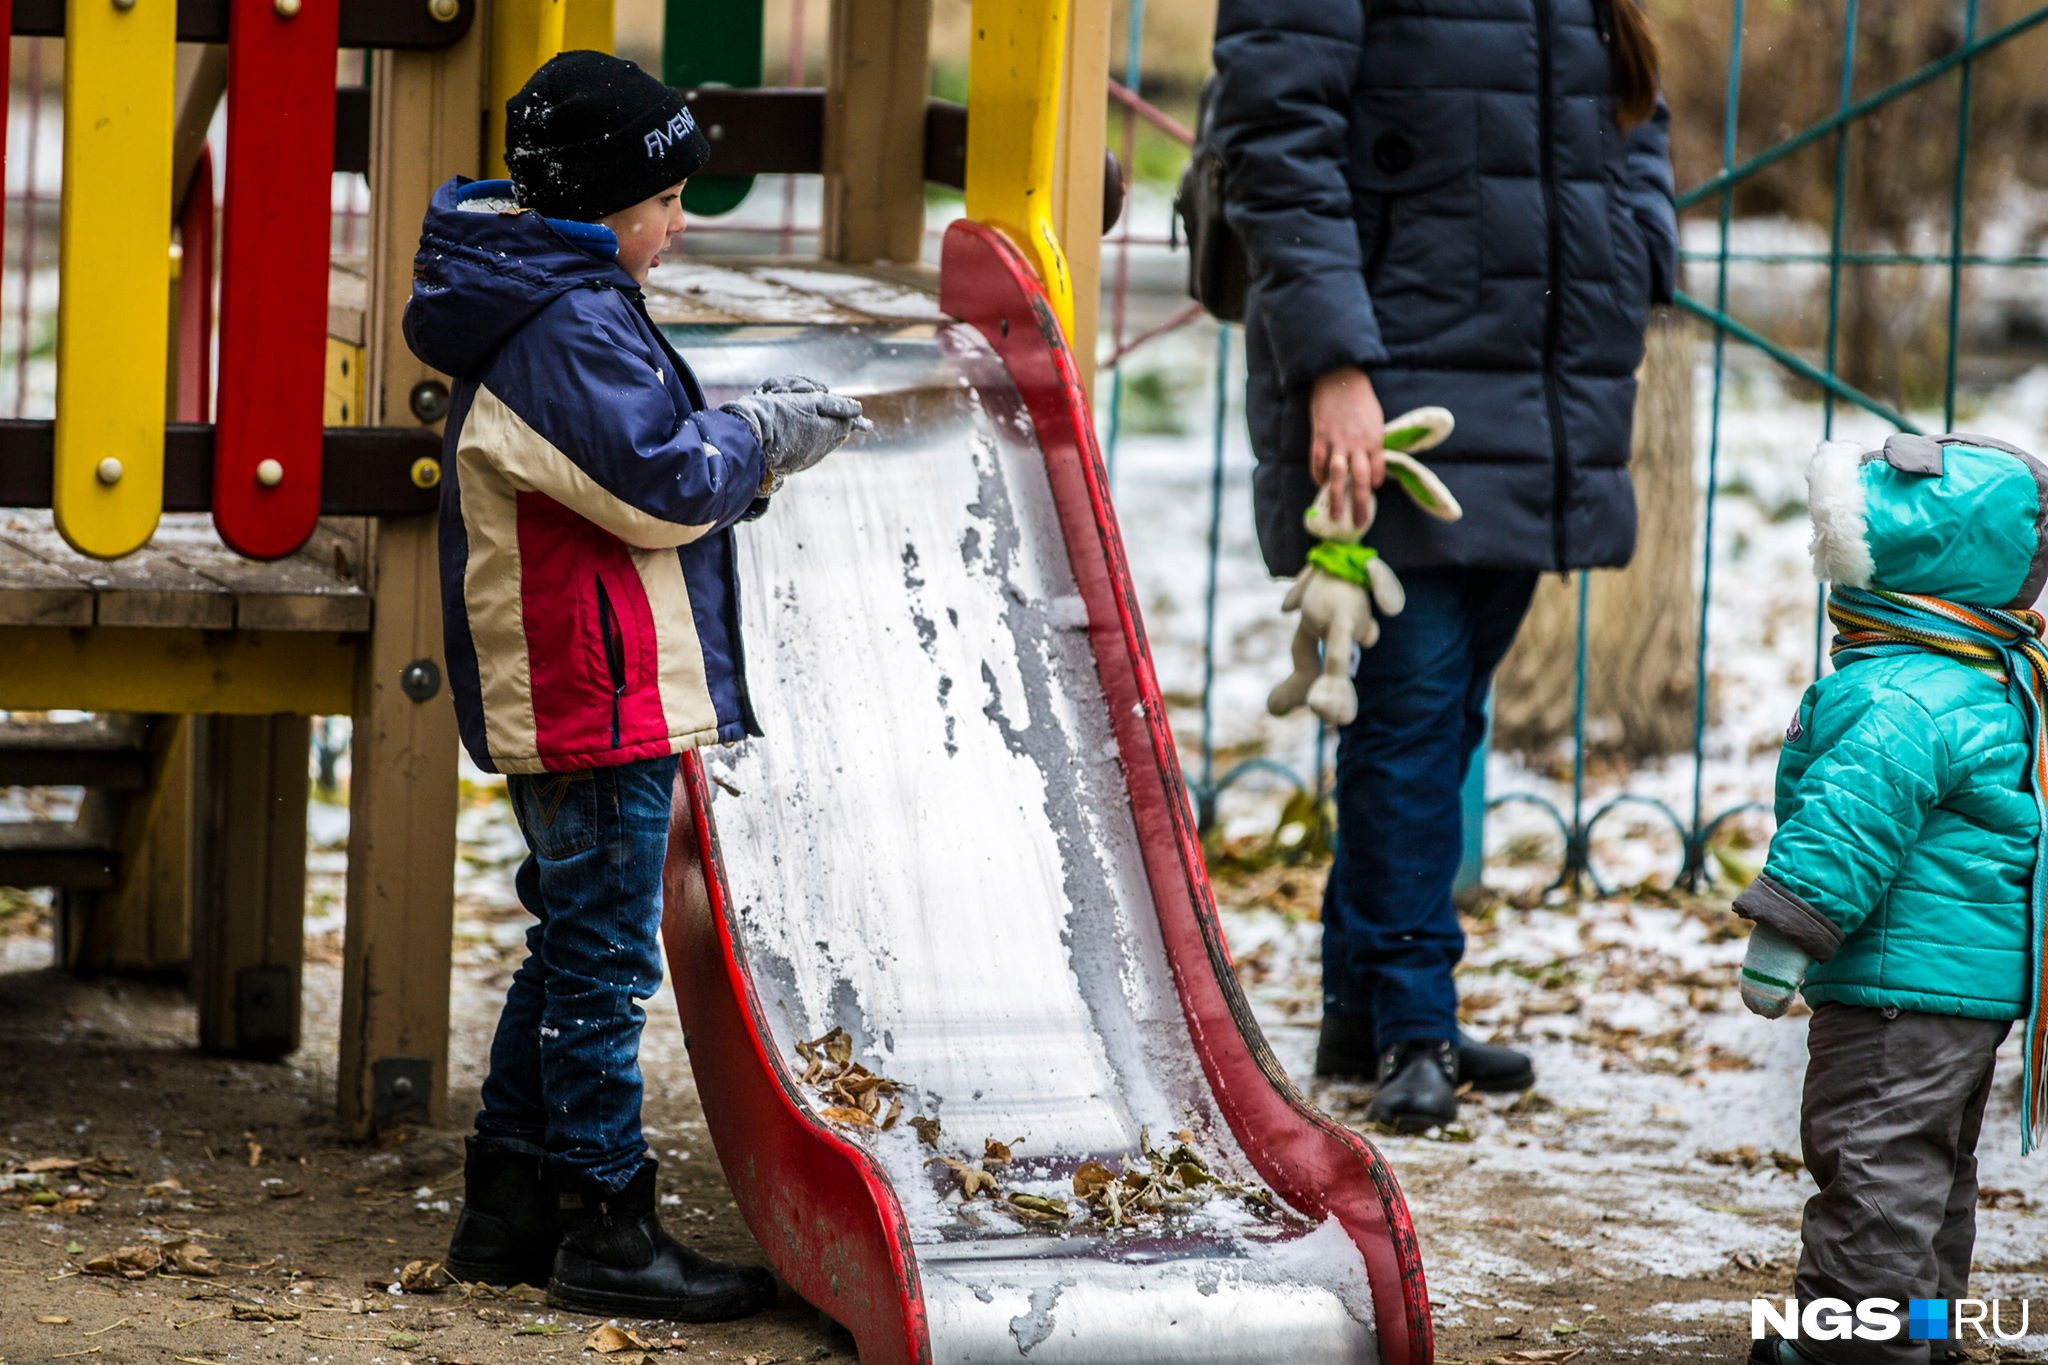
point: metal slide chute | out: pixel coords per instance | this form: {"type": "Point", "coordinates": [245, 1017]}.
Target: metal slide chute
{"type": "Point", "coordinates": [966, 842]}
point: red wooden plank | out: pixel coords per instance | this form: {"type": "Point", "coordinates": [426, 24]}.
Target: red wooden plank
{"type": "Point", "coordinates": [275, 220]}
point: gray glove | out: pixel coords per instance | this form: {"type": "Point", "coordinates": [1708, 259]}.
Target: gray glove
{"type": "Point", "coordinates": [796, 430]}
{"type": "Point", "coordinates": [790, 383]}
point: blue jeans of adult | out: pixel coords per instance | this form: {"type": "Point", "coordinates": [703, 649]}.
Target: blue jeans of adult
{"type": "Point", "coordinates": [1390, 931]}
{"type": "Point", "coordinates": [565, 1063]}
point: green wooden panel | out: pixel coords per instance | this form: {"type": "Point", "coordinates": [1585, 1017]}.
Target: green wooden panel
{"type": "Point", "coordinates": [713, 42]}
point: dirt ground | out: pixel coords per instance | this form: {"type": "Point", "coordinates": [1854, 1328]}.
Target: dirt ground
{"type": "Point", "coordinates": [1543, 1221]}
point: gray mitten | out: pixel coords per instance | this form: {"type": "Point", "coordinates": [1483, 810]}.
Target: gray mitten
{"type": "Point", "coordinates": [796, 430]}
{"type": "Point", "coordinates": [790, 383]}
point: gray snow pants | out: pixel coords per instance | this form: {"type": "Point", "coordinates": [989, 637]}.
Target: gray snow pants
{"type": "Point", "coordinates": [1888, 1126]}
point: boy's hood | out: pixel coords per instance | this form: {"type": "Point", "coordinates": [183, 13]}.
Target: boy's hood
{"type": "Point", "coordinates": [1958, 517]}
{"type": "Point", "coordinates": [485, 266]}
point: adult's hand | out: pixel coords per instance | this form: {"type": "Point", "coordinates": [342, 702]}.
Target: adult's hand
{"type": "Point", "coordinates": [1347, 429]}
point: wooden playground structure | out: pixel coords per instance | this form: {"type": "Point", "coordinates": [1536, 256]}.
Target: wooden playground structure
{"type": "Point", "coordinates": [202, 563]}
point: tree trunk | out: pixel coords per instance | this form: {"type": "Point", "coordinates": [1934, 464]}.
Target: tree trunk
{"type": "Point", "coordinates": [1640, 654]}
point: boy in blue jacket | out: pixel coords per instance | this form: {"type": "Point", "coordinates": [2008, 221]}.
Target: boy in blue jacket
{"type": "Point", "coordinates": [592, 628]}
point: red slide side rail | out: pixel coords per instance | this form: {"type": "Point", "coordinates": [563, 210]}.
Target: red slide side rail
{"type": "Point", "coordinates": [1312, 1162]}
{"type": "Point", "coordinates": [820, 1205]}
{"type": "Point", "coordinates": [276, 220]}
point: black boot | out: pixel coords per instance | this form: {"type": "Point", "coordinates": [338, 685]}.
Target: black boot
{"type": "Point", "coordinates": [506, 1234]}
{"type": "Point", "coordinates": [1418, 1085]}
{"type": "Point", "coordinates": [1345, 1049]}
{"type": "Point", "coordinates": [615, 1258]}
{"type": "Point", "coordinates": [1493, 1070]}
{"type": "Point", "coordinates": [1775, 1350]}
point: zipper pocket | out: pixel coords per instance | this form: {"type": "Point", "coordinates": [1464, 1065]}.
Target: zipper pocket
{"type": "Point", "coordinates": [614, 653]}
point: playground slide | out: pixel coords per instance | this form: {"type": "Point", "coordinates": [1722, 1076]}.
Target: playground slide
{"type": "Point", "coordinates": [965, 844]}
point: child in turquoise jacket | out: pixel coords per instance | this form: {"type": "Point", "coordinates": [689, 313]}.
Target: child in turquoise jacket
{"type": "Point", "coordinates": [1902, 893]}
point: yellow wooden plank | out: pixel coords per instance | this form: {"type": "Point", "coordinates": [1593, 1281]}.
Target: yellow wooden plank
{"type": "Point", "coordinates": [590, 23]}
{"type": "Point", "coordinates": [150, 668]}
{"type": "Point", "coordinates": [524, 33]}
{"type": "Point", "coordinates": [1013, 100]}
{"type": "Point", "coordinates": [344, 384]}
{"type": "Point", "coordinates": [1077, 186]}
{"type": "Point", "coordinates": [113, 312]}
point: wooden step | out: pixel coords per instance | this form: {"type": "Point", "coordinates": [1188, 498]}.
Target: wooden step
{"type": "Point", "coordinates": [47, 853]}
{"type": "Point", "coordinates": [106, 752]}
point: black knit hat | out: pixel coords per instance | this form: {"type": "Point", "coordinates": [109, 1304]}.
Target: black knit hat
{"type": "Point", "coordinates": [590, 134]}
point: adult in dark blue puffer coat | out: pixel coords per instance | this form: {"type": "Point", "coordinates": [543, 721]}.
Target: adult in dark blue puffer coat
{"type": "Point", "coordinates": [1455, 202]}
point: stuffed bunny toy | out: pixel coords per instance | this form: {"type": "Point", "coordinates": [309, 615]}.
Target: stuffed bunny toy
{"type": "Point", "coordinates": [1345, 578]}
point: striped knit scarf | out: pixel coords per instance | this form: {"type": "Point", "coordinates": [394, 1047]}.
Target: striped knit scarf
{"type": "Point", "coordinates": [2005, 645]}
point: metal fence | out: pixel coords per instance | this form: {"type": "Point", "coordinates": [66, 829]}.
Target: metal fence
{"type": "Point", "coordinates": [1697, 827]}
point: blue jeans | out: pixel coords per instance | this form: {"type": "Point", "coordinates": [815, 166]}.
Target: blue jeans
{"type": "Point", "coordinates": [565, 1064]}
{"type": "Point", "coordinates": [1390, 932]}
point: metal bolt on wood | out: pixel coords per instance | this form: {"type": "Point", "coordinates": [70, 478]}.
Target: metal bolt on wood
{"type": "Point", "coordinates": [420, 680]}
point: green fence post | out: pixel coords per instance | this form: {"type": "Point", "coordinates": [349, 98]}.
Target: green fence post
{"type": "Point", "coordinates": [1472, 867]}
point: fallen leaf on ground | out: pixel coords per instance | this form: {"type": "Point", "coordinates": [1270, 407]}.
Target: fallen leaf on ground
{"type": "Point", "coordinates": [256, 1312]}
{"type": "Point", "coordinates": [606, 1340]}
{"type": "Point", "coordinates": [424, 1277]}
{"type": "Point", "coordinates": [128, 1263]}
{"type": "Point", "coordinates": [403, 1341]}
{"type": "Point", "coordinates": [184, 1257]}
{"type": "Point", "coordinates": [927, 1130]}
{"type": "Point", "coordinates": [855, 1118]}
{"type": "Point", "coordinates": [538, 1329]}
{"type": "Point", "coordinates": [53, 1320]}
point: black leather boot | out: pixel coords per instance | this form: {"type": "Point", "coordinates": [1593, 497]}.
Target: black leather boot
{"type": "Point", "coordinates": [615, 1259]}
{"type": "Point", "coordinates": [1418, 1085]}
{"type": "Point", "coordinates": [506, 1234]}
{"type": "Point", "coordinates": [1493, 1070]}
{"type": "Point", "coordinates": [1345, 1050]}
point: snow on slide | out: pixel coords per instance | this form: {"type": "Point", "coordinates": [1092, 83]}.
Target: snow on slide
{"type": "Point", "coordinates": [962, 1019]}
